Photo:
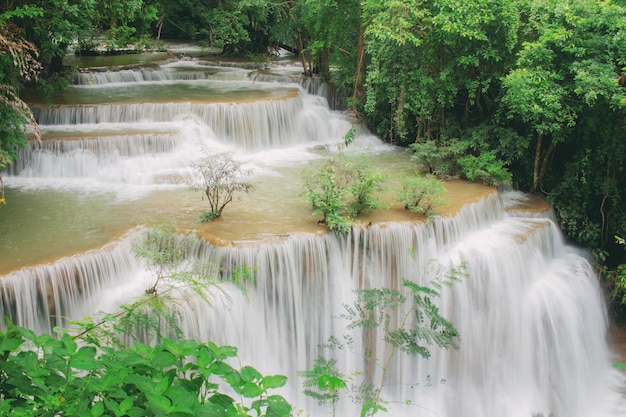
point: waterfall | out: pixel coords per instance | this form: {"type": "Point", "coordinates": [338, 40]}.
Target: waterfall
{"type": "Point", "coordinates": [528, 309]}
{"type": "Point", "coordinates": [45, 296]}
{"type": "Point", "coordinates": [198, 70]}
{"type": "Point", "coordinates": [255, 125]}
{"type": "Point", "coordinates": [527, 305]}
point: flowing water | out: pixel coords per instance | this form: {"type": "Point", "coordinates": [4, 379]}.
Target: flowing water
{"type": "Point", "coordinates": [116, 154]}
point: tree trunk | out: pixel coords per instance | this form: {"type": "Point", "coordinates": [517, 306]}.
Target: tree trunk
{"type": "Point", "coordinates": [544, 163]}
{"type": "Point", "coordinates": [535, 184]}
{"type": "Point", "coordinates": [358, 78]}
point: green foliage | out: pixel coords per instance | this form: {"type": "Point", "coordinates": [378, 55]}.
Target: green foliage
{"type": "Point", "coordinates": [41, 375]}
{"type": "Point", "coordinates": [219, 176]}
{"type": "Point", "coordinates": [120, 37]}
{"type": "Point", "coordinates": [348, 138]}
{"type": "Point", "coordinates": [219, 24]}
{"type": "Point", "coordinates": [18, 63]}
{"type": "Point", "coordinates": [422, 193]}
{"type": "Point", "coordinates": [406, 319]}
{"type": "Point", "coordinates": [324, 382]}
{"type": "Point", "coordinates": [485, 168]}
{"type": "Point", "coordinates": [434, 66]}
{"type": "Point", "coordinates": [616, 278]}
{"type": "Point", "coordinates": [440, 159]}
{"type": "Point", "coordinates": [341, 189]}
{"type": "Point", "coordinates": [208, 216]}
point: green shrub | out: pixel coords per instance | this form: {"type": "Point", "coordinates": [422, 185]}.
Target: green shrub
{"type": "Point", "coordinates": [41, 376]}
{"type": "Point", "coordinates": [485, 168]}
{"type": "Point", "coordinates": [420, 194]}
{"type": "Point", "coordinates": [439, 158]}
{"type": "Point", "coordinates": [341, 189]}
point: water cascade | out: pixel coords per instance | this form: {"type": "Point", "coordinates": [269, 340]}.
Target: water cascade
{"type": "Point", "coordinates": [528, 307]}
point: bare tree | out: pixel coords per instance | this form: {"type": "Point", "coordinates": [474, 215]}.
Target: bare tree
{"type": "Point", "coordinates": [219, 177]}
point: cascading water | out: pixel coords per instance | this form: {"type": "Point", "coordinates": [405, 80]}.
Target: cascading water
{"type": "Point", "coordinates": [528, 309]}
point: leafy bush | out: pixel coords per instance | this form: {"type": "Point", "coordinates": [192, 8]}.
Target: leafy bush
{"type": "Point", "coordinates": [341, 189]}
{"type": "Point", "coordinates": [40, 376]}
{"type": "Point", "coordinates": [120, 37]}
{"type": "Point", "coordinates": [420, 194]}
{"type": "Point", "coordinates": [219, 176]}
{"type": "Point", "coordinates": [452, 158]}
{"type": "Point", "coordinates": [485, 168]}
{"type": "Point", "coordinates": [439, 158]}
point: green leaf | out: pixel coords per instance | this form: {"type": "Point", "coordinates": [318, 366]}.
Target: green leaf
{"type": "Point", "coordinates": [221, 368]}
{"type": "Point", "coordinates": [163, 359]}
{"type": "Point", "coordinates": [251, 390]}
{"type": "Point", "coordinates": [160, 402]}
{"type": "Point", "coordinates": [370, 408]}
{"type": "Point", "coordinates": [204, 357]}
{"type": "Point", "coordinates": [162, 385]}
{"type": "Point", "coordinates": [330, 383]}
{"type": "Point", "coordinates": [11, 345]}
{"type": "Point", "coordinates": [98, 409]}
{"type": "Point", "coordinates": [84, 359]}
{"type": "Point", "coordinates": [69, 343]}
{"type": "Point", "coordinates": [222, 352]}
{"type": "Point", "coordinates": [112, 405]}
{"type": "Point", "coordinates": [173, 347]}
{"type": "Point", "coordinates": [144, 384]}
{"type": "Point", "coordinates": [222, 400]}
{"type": "Point", "coordinates": [274, 381]}
{"type": "Point", "coordinates": [250, 374]}
{"type": "Point", "coordinates": [278, 407]}
{"type": "Point", "coordinates": [126, 405]}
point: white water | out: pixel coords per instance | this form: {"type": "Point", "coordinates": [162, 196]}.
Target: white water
{"type": "Point", "coordinates": [529, 312]}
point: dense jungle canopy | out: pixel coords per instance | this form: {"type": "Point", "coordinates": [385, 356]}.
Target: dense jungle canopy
{"type": "Point", "coordinates": [528, 93]}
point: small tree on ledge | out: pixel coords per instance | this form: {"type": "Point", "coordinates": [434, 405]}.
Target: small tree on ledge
{"type": "Point", "coordinates": [219, 177]}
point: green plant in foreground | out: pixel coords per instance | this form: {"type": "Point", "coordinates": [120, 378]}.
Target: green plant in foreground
{"type": "Point", "coordinates": [407, 320]}
{"type": "Point", "coordinates": [43, 376]}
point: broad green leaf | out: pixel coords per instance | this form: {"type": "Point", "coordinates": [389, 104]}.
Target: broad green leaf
{"type": "Point", "coordinates": [69, 343]}
{"type": "Point", "coordinates": [145, 384]}
{"type": "Point", "coordinates": [84, 359]}
{"type": "Point", "coordinates": [162, 385]}
{"type": "Point", "coordinates": [222, 400]}
{"type": "Point", "coordinates": [98, 409]}
{"type": "Point", "coordinates": [248, 373]}
{"type": "Point", "coordinates": [251, 390]}
{"type": "Point", "coordinates": [126, 405]}
{"type": "Point", "coordinates": [204, 357]}
{"type": "Point", "coordinates": [173, 347]}
{"type": "Point", "coordinates": [278, 407]}
{"type": "Point", "coordinates": [163, 359]}
{"type": "Point", "coordinates": [221, 368]}
{"type": "Point", "coordinates": [274, 381]}
{"type": "Point", "coordinates": [11, 344]}
{"type": "Point", "coordinates": [160, 402]}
